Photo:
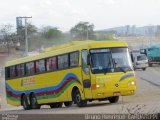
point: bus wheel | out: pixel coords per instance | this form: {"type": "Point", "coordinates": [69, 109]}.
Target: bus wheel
{"type": "Point", "coordinates": [68, 104]}
{"type": "Point", "coordinates": [34, 103]}
{"type": "Point", "coordinates": [78, 100]}
{"type": "Point", "coordinates": [113, 99]}
{"type": "Point", "coordinates": [56, 105]}
{"type": "Point", "coordinates": [25, 103]}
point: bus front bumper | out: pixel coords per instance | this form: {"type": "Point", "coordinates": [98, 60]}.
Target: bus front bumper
{"type": "Point", "coordinates": [112, 92]}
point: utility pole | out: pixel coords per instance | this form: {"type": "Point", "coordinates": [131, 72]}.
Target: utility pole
{"type": "Point", "coordinates": [26, 39]}
{"type": "Point", "coordinates": [87, 33]}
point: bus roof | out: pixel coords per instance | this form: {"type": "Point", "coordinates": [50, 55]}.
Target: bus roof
{"type": "Point", "coordinates": [68, 47]}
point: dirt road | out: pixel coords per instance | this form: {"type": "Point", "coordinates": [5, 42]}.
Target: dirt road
{"type": "Point", "coordinates": [146, 100]}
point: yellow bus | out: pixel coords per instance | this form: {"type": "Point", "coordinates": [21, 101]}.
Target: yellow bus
{"type": "Point", "coordinates": [76, 72]}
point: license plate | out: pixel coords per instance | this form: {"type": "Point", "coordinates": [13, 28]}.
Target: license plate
{"type": "Point", "coordinates": [116, 93]}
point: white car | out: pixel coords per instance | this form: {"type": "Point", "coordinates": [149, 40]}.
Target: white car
{"type": "Point", "coordinates": [140, 61]}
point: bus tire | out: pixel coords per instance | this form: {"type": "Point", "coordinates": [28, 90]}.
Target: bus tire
{"type": "Point", "coordinates": [24, 103]}
{"type": "Point", "coordinates": [33, 102]}
{"type": "Point", "coordinates": [68, 104]}
{"type": "Point", "coordinates": [56, 105]}
{"type": "Point", "coordinates": [78, 100]}
{"type": "Point", "coordinates": [113, 99]}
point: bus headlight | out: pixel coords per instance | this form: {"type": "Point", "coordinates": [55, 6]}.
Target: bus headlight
{"type": "Point", "coordinates": [97, 86]}
{"type": "Point", "coordinates": [131, 83]}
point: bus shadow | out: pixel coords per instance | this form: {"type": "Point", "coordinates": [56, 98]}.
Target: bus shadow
{"type": "Point", "coordinates": [100, 104]}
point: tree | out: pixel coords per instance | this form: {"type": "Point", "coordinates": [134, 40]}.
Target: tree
{"type": "Point", "coordinates": [105, 35]}
{"type": "Point", "coordinates": [31, 29]}
{"type": "Point", "coordinates": [50, 32]}
{"type": "Point", "coordinates": [6, 29]}
{"type": "Point", "coordinates": [6, 34]}
{"type": "Point", "coordinates": [83, 31]}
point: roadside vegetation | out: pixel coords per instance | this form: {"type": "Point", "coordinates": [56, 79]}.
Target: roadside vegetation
{"type": "Point", "coordinates": [38, 38]}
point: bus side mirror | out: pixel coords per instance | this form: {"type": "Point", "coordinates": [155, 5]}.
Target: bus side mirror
{"type": "Point", "coordinates": [132, 57]}
{"type": "Point", "coordinates": [88, 59]}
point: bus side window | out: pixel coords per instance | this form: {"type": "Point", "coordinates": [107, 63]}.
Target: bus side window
{"type": "Point", "coordinates": [84, 61]}
{"type": "Point", "coordinates": [32, 68]}
{"type": "Point", "coordinates": [18, 70]}
{"type": "Point", "coordinates": [42, 66]}
{"type": "Point", "coordinates": [12, 71]}
{"type": "Point", "coordinates": [63, 61]}
{"type": "Point", "coordinates": [22, 70]}
{"type": "Point", "coordinates": [37, 67]}
{"type": "Point", "coordinates": [74, 57]}
{"type": "Point", "coordinates": [7, 71]}
{"type": "Point", "coordinates": [60, 61]}
{"type": "Point", "coordinates": [51, 64]}
{"type": "Point", "coordinates": [47, 64]}
{"type": "Point", "coordinates": [27, 68]}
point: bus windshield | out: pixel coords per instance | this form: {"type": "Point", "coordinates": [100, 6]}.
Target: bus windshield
{"type": "Point", "coordinates": [110, 60]}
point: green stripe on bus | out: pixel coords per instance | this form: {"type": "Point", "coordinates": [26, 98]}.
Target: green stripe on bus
{"type": "Point", "coordinates": [46, 97]}
{"type": "Point", "coordinates": [58, 94]}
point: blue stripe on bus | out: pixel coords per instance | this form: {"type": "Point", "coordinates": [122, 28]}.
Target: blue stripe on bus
{"type": "Point", "coordinates": [44, 89]}
{"type": "Point", "coordinates": [126, 76]}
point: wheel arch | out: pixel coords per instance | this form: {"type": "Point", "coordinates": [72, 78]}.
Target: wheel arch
{"type": "Point", "coordinates": [73, 90]}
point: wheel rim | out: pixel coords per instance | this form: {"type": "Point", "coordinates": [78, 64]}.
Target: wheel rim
{"type": "Point", "coordinates": [78, 98]}
{"type": "Point", "coordinates": [24, 104]}
{"type": "Point", "coordinates": [34, 101]}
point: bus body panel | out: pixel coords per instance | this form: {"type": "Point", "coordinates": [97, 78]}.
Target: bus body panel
{"type": "Point", "coordinates": [57, 86]}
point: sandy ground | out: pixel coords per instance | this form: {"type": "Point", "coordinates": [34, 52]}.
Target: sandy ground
{"type": "Point", "coordinates": [146, 100]}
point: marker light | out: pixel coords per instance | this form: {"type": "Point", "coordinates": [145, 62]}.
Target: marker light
{"type": "Point", "coordinates": [100, 86]}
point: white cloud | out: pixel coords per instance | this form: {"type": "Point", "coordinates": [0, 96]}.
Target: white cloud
{"type": "Point", "coordinates": [107, 2]}
{"type": "Point", "coordinates": [66, 13]}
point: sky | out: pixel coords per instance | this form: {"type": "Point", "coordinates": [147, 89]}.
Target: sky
{"type": "Point", "coordinates": [64, 14]}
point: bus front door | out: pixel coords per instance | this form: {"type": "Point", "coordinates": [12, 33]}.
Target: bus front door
{"type": "Point", "coordinates": [86, 76]}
